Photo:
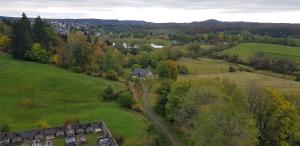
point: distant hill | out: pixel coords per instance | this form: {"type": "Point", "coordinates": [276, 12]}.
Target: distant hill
{"type": "Point", "coordinates": [273, 29]}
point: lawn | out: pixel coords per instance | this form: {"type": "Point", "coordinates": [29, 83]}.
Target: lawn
{"type": "Point", "coordinates": [246, 50]}
{"type": "Point", "coordinates": [204, 65]}
{"type": "Point", "coordinates": [32, 92]}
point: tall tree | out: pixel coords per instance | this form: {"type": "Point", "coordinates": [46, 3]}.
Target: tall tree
{"type": "Point", "coordinates": [21, 39]}
{"type": "Point", "coordinates": [39, 33]}
{"type": "Point", "coordinates": [80, 50]}
{"type": "Point", "coordinates": [168, 70]}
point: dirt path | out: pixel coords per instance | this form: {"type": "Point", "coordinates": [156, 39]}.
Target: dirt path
{"type": "Point", "coordinates": [158, 121]}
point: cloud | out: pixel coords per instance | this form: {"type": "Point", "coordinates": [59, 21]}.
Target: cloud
{"type": "Point", "coordinates": [226, 5]}
{"type": "Point", "coordinates": [152, 9]}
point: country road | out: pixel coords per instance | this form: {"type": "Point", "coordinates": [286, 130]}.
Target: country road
{"type": "Point", "coordinates": [158, 121]}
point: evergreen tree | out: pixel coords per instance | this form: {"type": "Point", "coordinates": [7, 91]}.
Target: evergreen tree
{"type": "Point", "coordinates": [39, 33]}
{"type": "Point", "coordinates": [21, 40]}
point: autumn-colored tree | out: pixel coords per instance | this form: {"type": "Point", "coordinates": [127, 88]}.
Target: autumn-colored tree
{"type": "Point", "coordinates": [168, 70]}
{"type": "Point", "coordinates": [80, 50]}
{"type": "Point", "coordinates": [4, 42]}
{"type": "Point", "coordinates": [277, 119]}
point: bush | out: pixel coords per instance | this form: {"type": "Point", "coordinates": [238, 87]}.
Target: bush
{"type": "Point", "coordinates": [71, 120]}
{"type": "Point", "coordinates": [297, 78]}
{"type": "Point", "coordinates": [137, 108]}
{"type": "Point", "coordinates": [77, 69]}
{"type": "Point", "coordinates": [126, 100]}
{"type": "Point", "coordinates": [135, 66]}
{"type": "Point", "coordinates": [108, 93]}
{"type": "Point", "coordinates": [43, 124]}
{"type": "Point", "coordinates": [282, 65]}
{"type": "Point", "coordinates": [38, 54]}
{"type": "Point", "coordinates": [183, 69]}
{"type": "Point", "coordinates": [232, 68]}
{"type": "Point", "coordinates": [112, 75]}
{"type": "Point", "coordinates": [4, 128]}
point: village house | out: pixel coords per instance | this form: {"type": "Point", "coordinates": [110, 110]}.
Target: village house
{"type": "Point", "coordinates": [70, 141]}
{"type": "Point", "coordinates": [154, 46]}
{"type": "Point", "coordinates": [74, 135]}
{"type": "Point", "coordinates": [81, 139]}
{"type": "Point", "coordinates": [141, 73]}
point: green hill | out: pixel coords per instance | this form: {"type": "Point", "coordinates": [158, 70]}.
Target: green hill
{"type": "Point", "coordinates": [32, 92]}
{"type": "Point", "coordinates": [246, 50]}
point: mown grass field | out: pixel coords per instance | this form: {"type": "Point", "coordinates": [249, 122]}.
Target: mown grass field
{"type": "Point", "coordinates": [205, 68]}
{"type": "Point", "coordinates": [247, 50]}
{"type": "Point", "coordinates": [32, 92]}
{"type": "Point", "coordinates": [243, 79]}
{"type": "Point", "coordinates": [204, 65]}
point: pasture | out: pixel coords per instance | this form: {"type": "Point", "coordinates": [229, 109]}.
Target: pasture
{"type": "Point", "coordinates": [247, 50]}
{"type": "Point", "coordinates": [32, 92]}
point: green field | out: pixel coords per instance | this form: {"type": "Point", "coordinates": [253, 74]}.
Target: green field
{"type": "Point", "coordinates": [246, 50]}
{"type": "Point", "coordinates": [243, 79]}
{"type": "Point", "coordinates": [205, 68]}
{"type": "Point", "coordinates": [204, 65]}
{"type": "Point", "coordinates": [32, 92]}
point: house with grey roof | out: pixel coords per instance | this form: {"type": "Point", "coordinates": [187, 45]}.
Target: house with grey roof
{"type": "Point", "coordinates": [141, 73]}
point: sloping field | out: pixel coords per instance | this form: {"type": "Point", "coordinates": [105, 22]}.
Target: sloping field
{"type": "Point", "coordinates": [32, 92]}
{"type": "Point", "coordinates": [247, 50]}
{"type": "Point", "coordinates": [204, 65]}
{"type": "Point", "coordinates": [244, 78]}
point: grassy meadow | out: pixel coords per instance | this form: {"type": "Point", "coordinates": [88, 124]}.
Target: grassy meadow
{"type": "Point", "coordinates": [243, 79]}
{"type": "Point", "coordinates": [204, 65]}
{"type": "Point", "coordinates": [247, 50]}
{"type": "Point", "coordinates": [205, 68]}
{"type": "Point", "coordinates": [32, 92]}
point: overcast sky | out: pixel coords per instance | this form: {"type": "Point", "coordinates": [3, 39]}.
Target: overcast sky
{"type": "Point", "coordinates": [158, 10]}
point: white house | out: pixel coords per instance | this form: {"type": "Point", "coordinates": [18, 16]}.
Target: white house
{"type": "Point", "coordinates": [156, 46]}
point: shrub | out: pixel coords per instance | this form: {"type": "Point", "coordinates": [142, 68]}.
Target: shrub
{"type": "Point", "coordinates": [260, 61]}
{"type": "Point", "coordinates": [4, 128]}
{"type": "Point", "coordinates": [137, 108]}
{"type": "Point", "coordinates": [135, 66]}
{"type": "Point", "coordinates": [108, 93]}
{"type": "Point", "coordinates": [112, 75]}
{"type": "Point", "coordinates": [297, 78]}
{"type": "Point", "coordinates": [283, 65]}
{"type": "Point", "coordinates": [183, 69]}
{"type": "Point", "coordinates": [77, 69]}
{"type": "Point", "coordinates": [232, 68]}
{"type": "Point", "coordinates": [88, 73]}
{"type": "Point", "coordinates": [71, 120]}
{"type": "Point", "coordinates": [38, 54]}
{"type": "Point", "coordinates": [126, 100]}
{"type": "Point", "coordinates": [4, 43]}
{"type": "Point", "coordinates": [43, 124]}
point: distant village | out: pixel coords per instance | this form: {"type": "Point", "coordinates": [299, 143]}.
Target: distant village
{"type": "Point", "coordinates": [72, 134]}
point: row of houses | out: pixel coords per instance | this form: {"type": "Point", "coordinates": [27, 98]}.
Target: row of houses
{"type": "Point", "coordinates": [73, 134]}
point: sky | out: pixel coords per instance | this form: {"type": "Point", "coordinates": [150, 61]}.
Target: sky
{"type": "Point", "coordinates": [276, 11]}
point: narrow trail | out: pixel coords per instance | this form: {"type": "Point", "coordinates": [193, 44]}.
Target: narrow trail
{"type": "Point", "coordinates": [158, 121]}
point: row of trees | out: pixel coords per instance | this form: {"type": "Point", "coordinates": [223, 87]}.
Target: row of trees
{"type": "Point", "coordinates": [233, 37]}
{"type": "Point", "coordinates": [24, 35]}
{"type": "Point", "coordinates": [280, 65]}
